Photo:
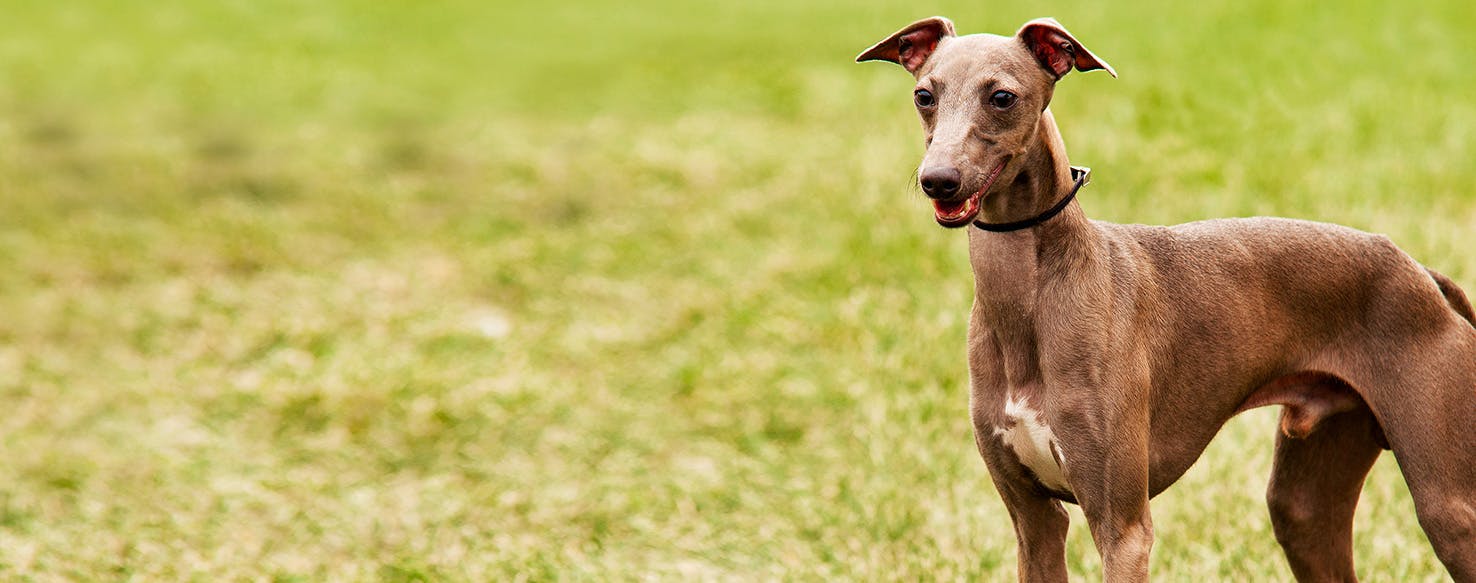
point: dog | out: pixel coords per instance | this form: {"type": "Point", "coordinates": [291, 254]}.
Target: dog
{"type": "Point", "coordinates": [1104, 357]}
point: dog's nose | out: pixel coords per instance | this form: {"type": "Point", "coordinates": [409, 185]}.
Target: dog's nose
{"type": "Point", "coordinates": [941, 182]}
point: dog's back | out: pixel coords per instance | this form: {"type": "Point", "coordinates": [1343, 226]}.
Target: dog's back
{"type": "Point", "coordinates": [1319, 280]}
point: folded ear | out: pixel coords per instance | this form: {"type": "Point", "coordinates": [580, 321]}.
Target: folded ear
{"type": "Point", "coordinates": [911, 46]}
{"type": "Point", "coordinates": [1056, 50]}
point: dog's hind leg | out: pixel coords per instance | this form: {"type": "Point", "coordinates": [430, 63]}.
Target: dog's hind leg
{"type": "Point", "coordinates": [1315, 483]}
{"type": "Point", "coordinates": [1436, 449]}
{"type": "Point", "coordinates": [1425, 401]}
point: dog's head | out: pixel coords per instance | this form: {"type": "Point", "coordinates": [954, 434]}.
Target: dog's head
{"type": "Point", "coordinates": [980, 97]}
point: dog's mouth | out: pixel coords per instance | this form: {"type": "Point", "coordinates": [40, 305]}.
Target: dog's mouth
{"type": "Point", "coordinates": [960, 212]}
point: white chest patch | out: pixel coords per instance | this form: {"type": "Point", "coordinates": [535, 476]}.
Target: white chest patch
{"type": "Point", "coordinates": [1027, 434]}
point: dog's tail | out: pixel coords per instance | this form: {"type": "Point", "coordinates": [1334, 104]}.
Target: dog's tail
{"type": "Point", "coordinates": [1454, 296]}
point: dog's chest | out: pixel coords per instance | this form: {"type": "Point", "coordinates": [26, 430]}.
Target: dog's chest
{"type": "Point", "coordinates": [1026, 433]}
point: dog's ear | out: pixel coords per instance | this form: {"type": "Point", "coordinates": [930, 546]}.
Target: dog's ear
{"type": "Point", "coordinates": [911, 46]}
{"type": "Point", "coordinates": [1057, 50]}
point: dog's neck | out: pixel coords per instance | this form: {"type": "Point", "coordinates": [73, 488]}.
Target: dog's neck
{"type": "Point", "coordinates": [1011, 268]}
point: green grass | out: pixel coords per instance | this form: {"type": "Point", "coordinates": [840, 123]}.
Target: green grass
{"type": "Point", "coordinates": [488, 291]}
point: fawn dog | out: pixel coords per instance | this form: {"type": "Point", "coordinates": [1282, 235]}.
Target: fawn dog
{"type": "Point", "coordinates": [1103, 357]}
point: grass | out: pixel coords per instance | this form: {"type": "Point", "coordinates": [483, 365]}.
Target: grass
{"type": "Point", "coordinates": [476, 291]}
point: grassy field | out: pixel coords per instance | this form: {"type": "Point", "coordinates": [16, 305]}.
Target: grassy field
{"type": "Point", "coordinates": [470, 291]}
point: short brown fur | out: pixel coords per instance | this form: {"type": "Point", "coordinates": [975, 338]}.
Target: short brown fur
{"type": "Point", "coordinates": [1137, 343]}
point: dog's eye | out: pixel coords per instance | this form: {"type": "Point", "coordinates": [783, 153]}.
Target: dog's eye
{"type": "Point", "coordinates": [923, 98]}
{"type": "Point", "coordinates": [1002, 99]}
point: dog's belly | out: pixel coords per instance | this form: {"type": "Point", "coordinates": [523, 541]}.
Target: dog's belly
{"type": "Point", "coordinates": [1026, 433]}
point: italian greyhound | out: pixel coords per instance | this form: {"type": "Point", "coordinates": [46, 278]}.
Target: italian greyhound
{"type": "Point", "coordinates": [1104, 357]}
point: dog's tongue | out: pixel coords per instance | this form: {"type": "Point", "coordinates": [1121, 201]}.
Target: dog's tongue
{"type": "Point", "coordinates": [949, 211]}
{"type": "Point", "coordinates": [949, 208]}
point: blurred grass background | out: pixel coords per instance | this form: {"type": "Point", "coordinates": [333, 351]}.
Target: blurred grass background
{"type": "Point", "coordinates": [460, 290]}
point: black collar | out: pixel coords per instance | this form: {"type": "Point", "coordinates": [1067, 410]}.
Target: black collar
{"type": "Point", "coordinates": [1079, 174]}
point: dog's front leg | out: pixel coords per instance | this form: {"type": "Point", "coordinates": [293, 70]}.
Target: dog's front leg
{"type": "Point", "coordinates": [1109, 476]}
{"type": "Point", "coordinates": [1039, 520]}
{"type": "Point", "coordinates": [1123, 532]}
{"type": "Point", "coordinates": [1040, 527]}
